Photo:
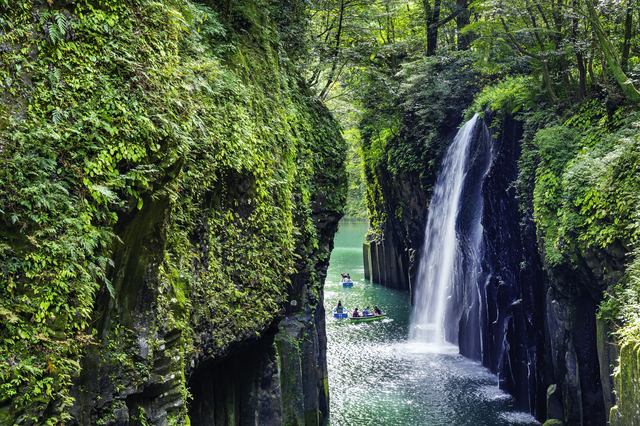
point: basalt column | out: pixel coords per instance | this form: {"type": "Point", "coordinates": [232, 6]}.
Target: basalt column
{"type": "Point", "coordinates": [511, 282]}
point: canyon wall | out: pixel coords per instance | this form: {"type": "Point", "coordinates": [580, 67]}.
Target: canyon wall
{"type": "Point", "coordinates": [167, 216]}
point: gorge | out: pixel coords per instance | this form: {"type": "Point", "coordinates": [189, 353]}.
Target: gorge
{"type": "Point", "coordinates": [173, 174]}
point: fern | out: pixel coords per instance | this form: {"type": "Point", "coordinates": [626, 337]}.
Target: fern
{"type": "Point", "coordinates": [112, 291]}
{"type": "Point", "coordinates": [63, 25]}
{"type": "Point", "coordinates": [57, 116]}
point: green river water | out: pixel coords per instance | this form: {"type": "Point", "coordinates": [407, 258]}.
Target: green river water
{"type": "Point", "coordinates": [378, 377]}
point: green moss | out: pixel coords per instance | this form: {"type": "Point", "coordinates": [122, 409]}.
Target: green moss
{"type": "Point", "coordinates": [4, 118]}
{"type": "Point", "coordinates": [312, 418]}
{"type": "Point", "coordinates": [627, 383]}
{"type": "Point", "coordinates": [506, 97]}
{"type": "Point", "coordinates": [289, 355]}
{"type": "Point", "coordinates": [8, 415]}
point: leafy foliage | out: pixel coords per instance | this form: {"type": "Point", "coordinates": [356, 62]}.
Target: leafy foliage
{"type": "Point", "coordinates": [506, 97]}
{"type": "Point", "coordinates": [78, 148]}
{"type": "Point", "coordinates": [436, 90]}
{"type": "Point", "coordinates": [405, 129]}
{"type": "Point", "coordinates": [555, 146]}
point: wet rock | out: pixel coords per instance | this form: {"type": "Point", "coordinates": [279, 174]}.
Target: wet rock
{"type": "Point", "coordinates": [554, 403]}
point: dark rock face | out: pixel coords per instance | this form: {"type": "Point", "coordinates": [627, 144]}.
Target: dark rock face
{"type": "Point", "coordinates": [280, 378]}
{"type": "Point", "coordinates": [389, 265]}
{"type": "Point", "coordinates": [106, 389]}
{"type": "Point", "coordinates": [580, 350]}
{"type": "Point", "coordinates": [511, 281]}
{"type": "Point", "coordinates": [241, 389]}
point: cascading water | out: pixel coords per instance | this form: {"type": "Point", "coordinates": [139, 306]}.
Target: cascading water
{"type": "Point", "coordinates": [446, 287]}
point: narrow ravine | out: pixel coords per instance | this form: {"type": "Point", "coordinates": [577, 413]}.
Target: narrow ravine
{"type": "Point", "coordinates": [378, 376]}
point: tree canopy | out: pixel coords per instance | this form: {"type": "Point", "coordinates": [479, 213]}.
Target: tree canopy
{"type": "Point", "coordinates": [366, 56]}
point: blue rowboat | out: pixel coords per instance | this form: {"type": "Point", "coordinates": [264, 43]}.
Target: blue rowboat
{"type": "Point", "coordinates": [346, 282]}
{"type": "Point", "coordinates": [344, 313]}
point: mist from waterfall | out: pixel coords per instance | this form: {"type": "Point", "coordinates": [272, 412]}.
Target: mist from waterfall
{"type": "Point", "coordinates": [449, 262]}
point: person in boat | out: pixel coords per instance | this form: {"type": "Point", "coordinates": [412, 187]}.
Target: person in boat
{"type": "Point", "coordinates": [356, 314]}
{"type": "Point", "coordinates": [366, 312]}
{"type": "Point", "coordinates": [377, 311]}
{"type": "Point", "coordinates": [339, 308]}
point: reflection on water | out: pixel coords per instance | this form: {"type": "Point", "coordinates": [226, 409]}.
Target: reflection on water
{"type": "Point", "coordinates": [378, 377]}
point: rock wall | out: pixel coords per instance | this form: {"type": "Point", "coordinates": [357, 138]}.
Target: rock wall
{"type": "Point", "coordinates": [279, 378]}
{"type": "Point", "coordinates": [386, 264]}
{"type": "Point", "coordinates": [511, 282]}
{"type": "Point", "coordinates": [582, 351]}
{"type": "Point", "coordinates": [627, 382]}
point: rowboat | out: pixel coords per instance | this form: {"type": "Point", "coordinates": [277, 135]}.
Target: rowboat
{"type": "Point", "coordinates": [368, 318]}
{"type": "Point", "coordinates": [346, 282]}
{"type": "Point", "coordinates": [344, 313]}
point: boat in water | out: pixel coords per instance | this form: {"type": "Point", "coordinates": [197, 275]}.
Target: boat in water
{"type": "Point", "coordinates": [347, 282]}
{"type": "Point", "coordinates": [343, 314]}
{"type": "Point", "coordinates": [368, 318]}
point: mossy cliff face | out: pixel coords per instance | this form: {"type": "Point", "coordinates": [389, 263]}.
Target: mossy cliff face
{"type": "Point", "coordinates": [581, 351]}
{"type": "Point", "coordinates": [402, 159]}
{"type": "Point", "coordinates": [586, 225]}
{"type": "Point", "coordinates": [169, 195]}
{"type": "Point", "coordinates": [627, 382]}
{"type": "Point", "coordinates": [582, 255]}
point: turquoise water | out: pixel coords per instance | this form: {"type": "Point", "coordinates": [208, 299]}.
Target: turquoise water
{"type": "Point", "coordinates": [377, 376]}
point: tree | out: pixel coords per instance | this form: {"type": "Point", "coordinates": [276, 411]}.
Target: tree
{"type": "Point", "coordinates": [433, 22]}
{"type": "Point", "coordinates": [613, 61]}
{"type": "Point", "coordinates": [567, 40]}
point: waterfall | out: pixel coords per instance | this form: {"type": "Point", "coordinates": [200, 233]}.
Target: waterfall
{"type": "Point", "coordinates": [446, 288]}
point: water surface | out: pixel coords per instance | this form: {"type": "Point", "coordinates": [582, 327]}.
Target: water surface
{"type": "Point", "coordinates": [377, 376]}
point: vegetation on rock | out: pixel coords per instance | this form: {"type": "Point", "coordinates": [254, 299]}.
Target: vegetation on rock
{"type": "Point", "coordinates": [177, 118]}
